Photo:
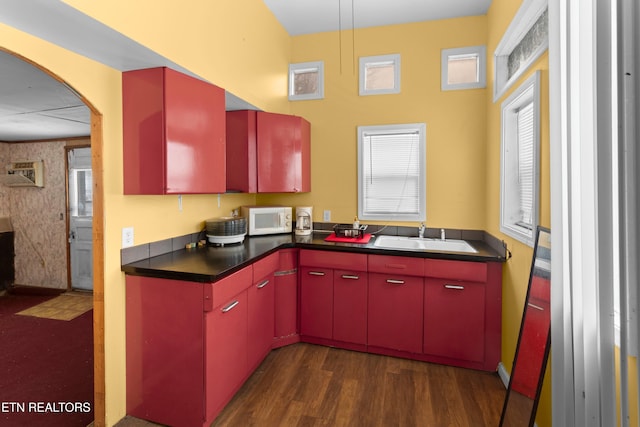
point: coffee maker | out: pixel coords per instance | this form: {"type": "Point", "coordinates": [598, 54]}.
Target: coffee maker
{"type": "Point", "coordinates": [304, 220]}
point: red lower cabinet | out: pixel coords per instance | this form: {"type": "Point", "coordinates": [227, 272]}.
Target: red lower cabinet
{"type": "Point", "coordinates": [226, 349]}
{"type": "Point", "coordinates": [191, 346]}
{"type": "Point", "coordinates": [395, 312]}
{"type": "Point", "coordinates": [286, 299]}
{"type": "Point", "coordinates": [350, 306]}
{"type": "Point", "coordinates": [187, 347]}
{"type": "Point", "coordinates": [261, 297]}
{"type": "Point", "coordinates": [454, 314]}
{"type": "Point", "coordinates": [333, 298]}
{"type": "Point", "coordinates": [165, 350]}
{"type": "Point", "coordinates": [316, 302]}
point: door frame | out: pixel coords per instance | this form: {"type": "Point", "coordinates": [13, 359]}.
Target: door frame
{"type": "Point", "coordinates": [67, 149]}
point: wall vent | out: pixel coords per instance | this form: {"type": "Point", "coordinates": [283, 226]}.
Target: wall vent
{"type": "Point", "coordinates": [24, 174]}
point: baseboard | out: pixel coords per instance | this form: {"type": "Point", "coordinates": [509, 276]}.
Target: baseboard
{"type": "Point", "coordinates": [504, 376]}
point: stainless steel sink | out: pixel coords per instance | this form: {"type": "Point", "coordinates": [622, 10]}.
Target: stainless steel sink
{"type": "Point", "coordinates": [423, 244]}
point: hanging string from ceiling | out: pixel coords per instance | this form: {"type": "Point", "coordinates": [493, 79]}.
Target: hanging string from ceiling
{"type": "Point", "coordinates": [340, 33]}
{"type": "Point", "coordinates": [353, 35]}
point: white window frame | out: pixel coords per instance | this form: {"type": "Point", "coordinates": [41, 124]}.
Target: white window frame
{"type": "Point", "coordinates": [421, 129]}
{"type": "Point", "coordinates": [368, 61]}
{"type": "Point", "coordinates": [528, 92]}
{"type": "Point", "coordinates": [303, 67]}
{"type": "Point", "coordinates": [478, 51]}
{"type": "Point", "coordinates": [524, 20]}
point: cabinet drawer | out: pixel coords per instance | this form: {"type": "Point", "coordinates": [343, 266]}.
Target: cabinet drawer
{"type": "Point", "coordinates": [266, 266]}
{"type": "Point", "coordinates": [396, 265]}
{"type": "Point", "coordinates": [337, 260]}
{"type": "Point", "coordinates": [231, 286]}
{"type": "Point", "coordinates": [456, 270]}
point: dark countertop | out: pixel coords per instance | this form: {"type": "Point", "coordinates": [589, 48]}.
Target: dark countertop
{"type": "Point", "coordinates": [209, 263]}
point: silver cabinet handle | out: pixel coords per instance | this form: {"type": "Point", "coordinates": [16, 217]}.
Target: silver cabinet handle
{"type": "Point", "coordinates": [350, 276]}
{"type": "Point", "coordinates": [537, 307]}
{"type": "Point", "coordinates": [457, 287]}
{"type": "Point", "coordinates": [230, 306]}
{"type": "Point", "coordinates": [263, 284]}
{"type": "Point", "coordinates": [395, 282]}
{"type": "Point", "coordinates": [316, 273]}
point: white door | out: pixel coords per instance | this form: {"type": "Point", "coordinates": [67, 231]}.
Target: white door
{"type": "Point", "coordinates": [81, 218]}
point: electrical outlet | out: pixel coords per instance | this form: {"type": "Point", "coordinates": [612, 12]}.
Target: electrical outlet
{"type": "Point", "coordinates": [326, 216]}
{"type": "Point", "coordinates": [127, 237]}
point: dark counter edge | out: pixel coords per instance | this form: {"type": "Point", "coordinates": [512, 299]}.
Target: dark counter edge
{"type": "Point", "coordinates": [210, 264]}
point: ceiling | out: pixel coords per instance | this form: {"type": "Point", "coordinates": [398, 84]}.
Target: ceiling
{"type": "Point", "coordinates": [316, 16]}
{"type": "Point", "coordinates": [34, 106]}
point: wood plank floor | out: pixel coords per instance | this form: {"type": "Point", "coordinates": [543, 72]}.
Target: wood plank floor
{"type": "Point", "coordinates": [308, 385]}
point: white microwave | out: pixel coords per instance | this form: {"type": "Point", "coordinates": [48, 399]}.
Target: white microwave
{"type": "Point", "coordinates": [263, 220]}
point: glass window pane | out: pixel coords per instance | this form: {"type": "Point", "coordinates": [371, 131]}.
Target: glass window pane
{"type": "Point", "coordinates": [81, 192]}
{"type": "Point", "coordinates": [305, 82]}
{"type": "Point", "coordinates": [380, 76]}
{"type": "Point", "coordinates": [463, 69]}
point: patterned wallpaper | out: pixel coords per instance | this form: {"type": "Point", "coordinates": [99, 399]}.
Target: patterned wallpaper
{"type": "Point", "coordinates": [38, 216]}
{"type": "Point", "coordinates": [4, 191]}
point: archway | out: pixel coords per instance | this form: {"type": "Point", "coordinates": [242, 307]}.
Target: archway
{"type": "Point", "coordinates": [98, 245]}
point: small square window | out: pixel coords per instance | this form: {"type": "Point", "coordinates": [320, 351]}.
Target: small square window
{"type": "Point", "coordinates": [306, 81]}
{"type": "Point", "coordinates": [464, 68]}
{"type": "Point", "coordinates": [380, 75]}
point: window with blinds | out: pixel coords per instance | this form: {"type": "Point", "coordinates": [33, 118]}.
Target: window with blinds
{"type": "Point", "coordinates": [519, 162]}
{"type": "Point", "coordinates": [525, 164]}
{"type": "Point", "coordinates": [392, 172]}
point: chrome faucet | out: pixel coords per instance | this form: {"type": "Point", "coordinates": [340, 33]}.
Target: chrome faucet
{"type": "Point", "coordinates": [442, 235]}
{"type": "Point", "coordinates": [421, 230]}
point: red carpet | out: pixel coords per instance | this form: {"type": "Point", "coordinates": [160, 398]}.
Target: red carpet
{"type": "Point", "coordinates": [46, 367]}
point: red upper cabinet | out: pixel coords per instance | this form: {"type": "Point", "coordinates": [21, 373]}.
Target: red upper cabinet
{"type": "Point", "coordinates": [173, 133]}
{"type": "Point", "coordinates": [268, 152]}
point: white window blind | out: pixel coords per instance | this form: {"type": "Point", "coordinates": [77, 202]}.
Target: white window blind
{"type": "Point", "coordinates": [392, 178]}
{"type": "Point", "coordinates": [525, 120]}
{"type": "Point", "coordinates": [520, 152]}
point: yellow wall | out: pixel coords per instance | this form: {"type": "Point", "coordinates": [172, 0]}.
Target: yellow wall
{"type": "Point", "coordinates": [633, 387]}
{"type": "Point", "coordinates": [456, 120]}
{"type": "Point", "coordinates": [240, 46]}
{"type": "Point", "coordinates": [237, 45]}
{"type": "Point", "coordinates": [515, 276]}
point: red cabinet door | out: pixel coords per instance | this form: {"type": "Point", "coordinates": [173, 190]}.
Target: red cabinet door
{"type": "Point", "coordinates": [395, 312]}
{"type": "Point", "coordinates": [226, 352]}
{"type": "Point", "coordinates": [165, 352]}
{"type": "Point", "coordinates": [286, 294]}
{"type": "Point", "coordinates": [524, 378]}
{"type": "Point", "coordinates": [268, 152]}
{"type": "Point", "coordinates": [283, 151]}
{"type": "Point", "coordinates": [454, 319]}
{"type": "Point", "coordinates": [350, 306]}
{"type": "Point", "coordinates": [261, 319]}
{"type": "Point", "coordinates": [174, 135]}
{"type": "Point", "coordinates": [316, 302]}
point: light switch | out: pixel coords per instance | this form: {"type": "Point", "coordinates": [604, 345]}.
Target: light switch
{"type": "Point", "coordinates": [326, 216]}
